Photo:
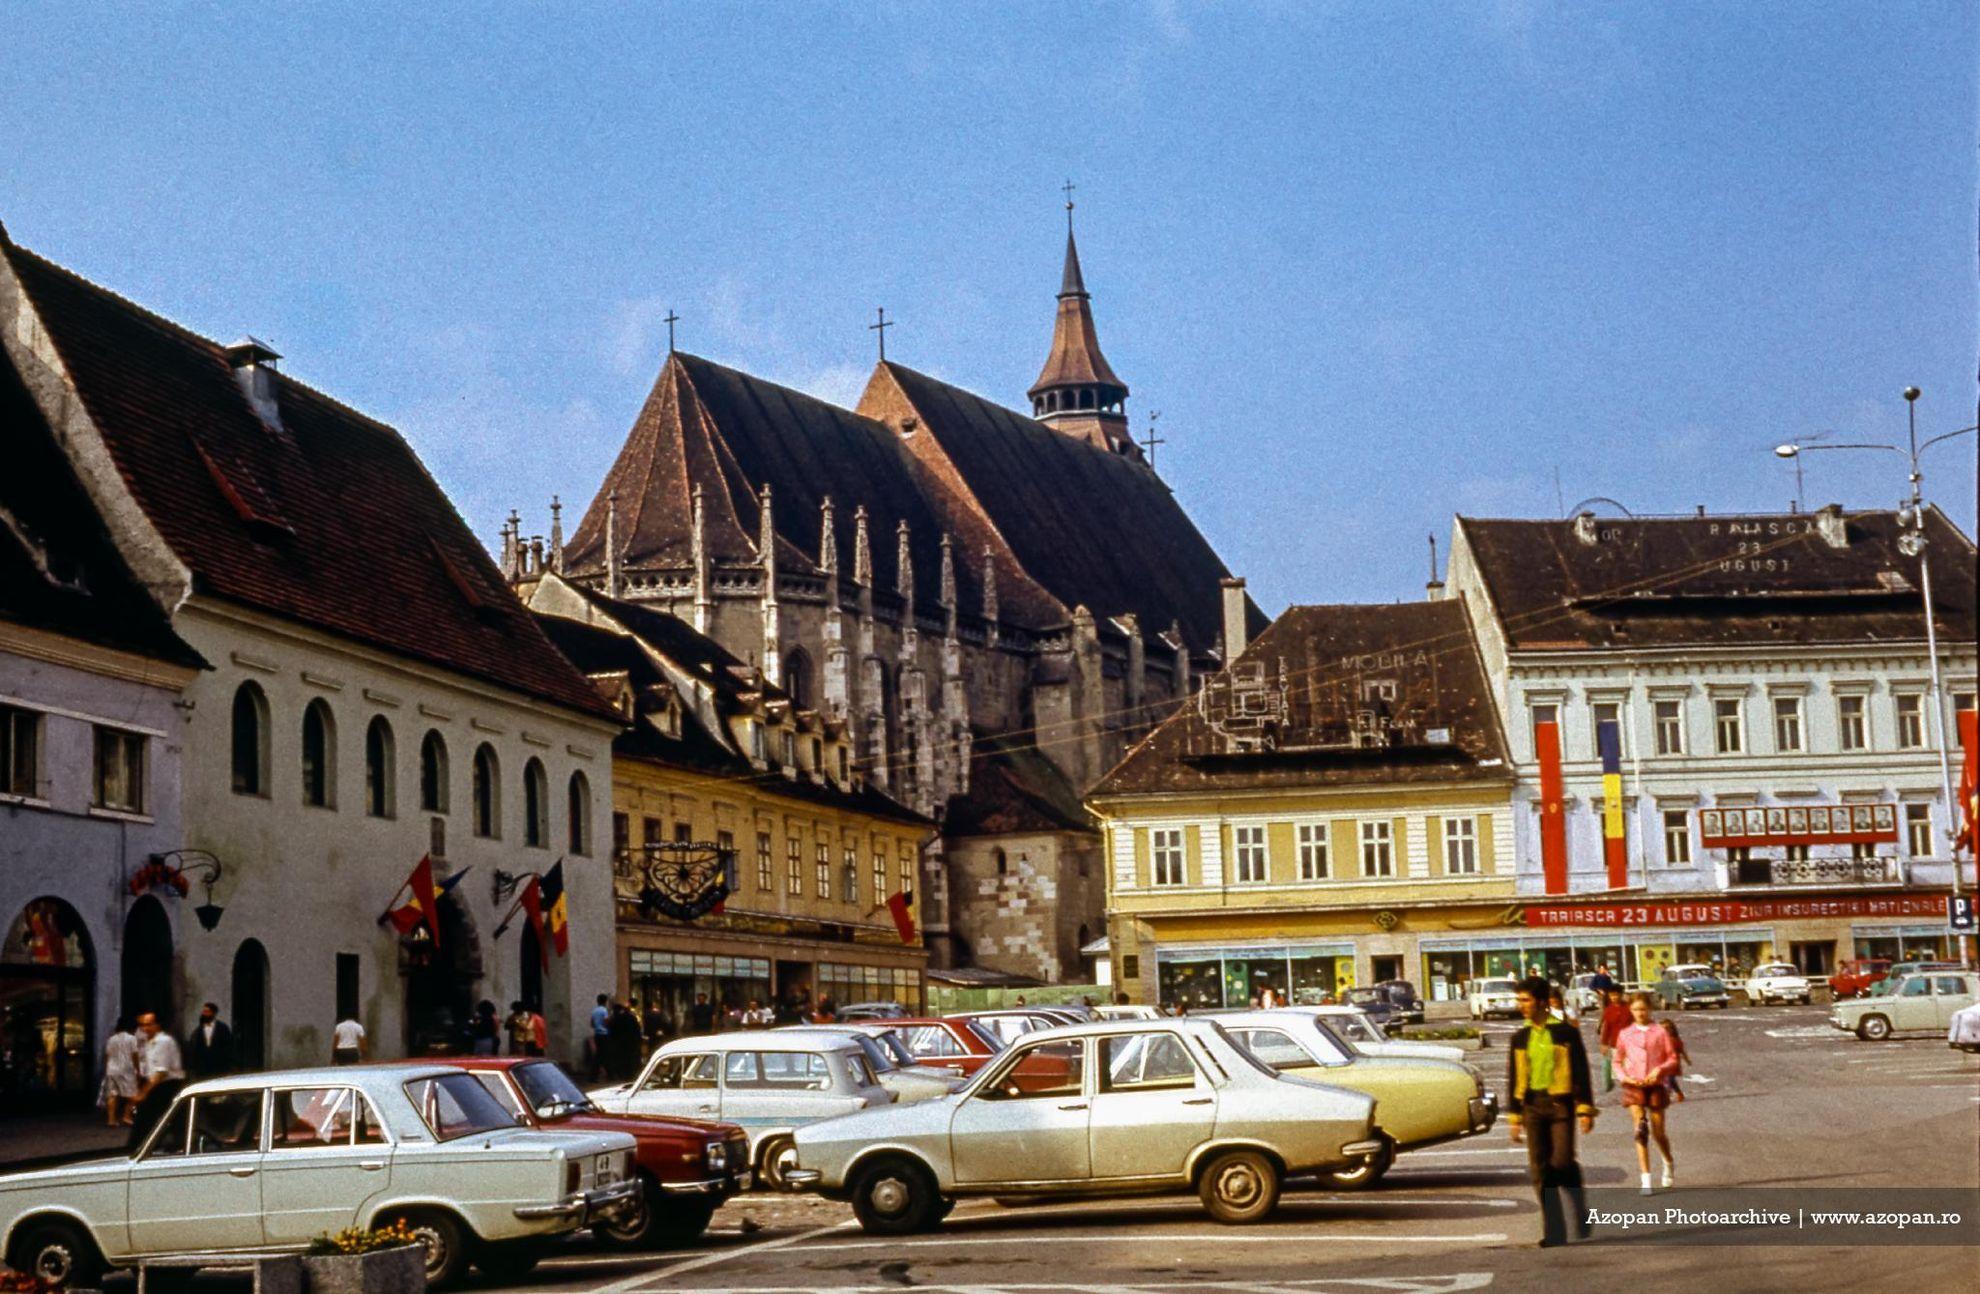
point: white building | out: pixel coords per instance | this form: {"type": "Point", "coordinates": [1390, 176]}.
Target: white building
{"type": "Point", "coordinates": [1770, 663]}
{"type": "Point", "coordinates": [375, 695]}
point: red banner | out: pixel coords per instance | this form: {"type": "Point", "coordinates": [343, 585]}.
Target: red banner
{"type": "Point", "coordinates": [1726, 912]}
{"type": "Point", "coordinates": [1553, 808]}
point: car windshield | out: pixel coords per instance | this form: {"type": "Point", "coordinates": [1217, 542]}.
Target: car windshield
{"type": "Point", "coordinates": [456, 1105]}
{"type": "Point", "coordinates": [1495, 986]}
{"type": "Point", "coordinates": [549, 1090]}
{"type": "Point", "coordinates": [1354, 1026]}
{"type": "Point", "coordinates": [1775, 970]}
{"type": "Point", "coordinates": [987, 1036]}
{"type": "Point", "coordinates": [895, 1048]}
{"type": "Point", "coordinates": [878, 1056]}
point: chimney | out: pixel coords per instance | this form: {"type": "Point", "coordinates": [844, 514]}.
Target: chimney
{"type": "Point", "coordinates": [1234, 621]}
{"type": "Point", "coordinates": [1829, 524]}
{"type": "Point", "coordinates": [254, 368]}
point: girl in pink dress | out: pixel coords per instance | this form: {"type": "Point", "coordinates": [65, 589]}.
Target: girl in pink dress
{"type": "Point", "coordinates": [1646, 1062]}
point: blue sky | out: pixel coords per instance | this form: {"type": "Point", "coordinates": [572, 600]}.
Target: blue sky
{"type": "Point", "coordinates": [1374, 264]}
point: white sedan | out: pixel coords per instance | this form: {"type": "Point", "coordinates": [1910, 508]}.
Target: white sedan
{"type": "Point", "coordinates": [1776, 982]}
{"type": "Point", "coordinates": [265, 1163]}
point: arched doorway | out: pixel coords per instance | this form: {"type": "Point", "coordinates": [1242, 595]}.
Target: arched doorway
{"type": "Point", "coordinates": [47, 994]}
{"type": "Point", "coordinates": [147, 963]}
{"type": "Point", "coordinates": [440, 983]}
{"type": "Point", "coordinates": [532, 969]}
{"type": "Point", "coordinates": [250, 1005]}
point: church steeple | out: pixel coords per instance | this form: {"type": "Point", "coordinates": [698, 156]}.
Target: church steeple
{"type": "Point", "coordinates": [1077, 392]}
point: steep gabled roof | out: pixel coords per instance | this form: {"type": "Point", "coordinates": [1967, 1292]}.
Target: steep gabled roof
{"type": "Point", "coordinates": [1075, 358]}
{"type": "Point", "coordinates": [1409, 670]}
{"type": "Point", "coordinates": [1091, 528]}
{"type": "Point", "coordinates": [329, 521]}
{"type": "Point", "coordinates": [1718, 580]}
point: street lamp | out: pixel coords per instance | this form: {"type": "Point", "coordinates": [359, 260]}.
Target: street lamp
{"type": "Point", "coordinates": [1912, 543]}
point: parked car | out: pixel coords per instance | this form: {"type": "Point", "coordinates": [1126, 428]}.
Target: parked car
{"type": "Point", "coordinates": [1581, 994]}
{"type": "Point", "coordinates": [1899, 970]}
{"type": "Point", "coordinates": [1963, 1034]}
{"type": "Point", "coordinates": [1010, 1023]}
{"type": "Point", "coordinates": [1405, 1006]}
{"type": "Point", "coordinates": [1490, 997]}
{"type": "Point", "coordinates": [950, 1045]}
{"type": "Point", "coordinates": [1920, 1001]}
{"type": "Point", "coordinates": [1679, 988]}
{"type": "Point", "coordinates": [1856, 977]}
{"type": "Point", "coordinates": [265, 1163]}
{"type": "Point", "coordinates": [686, 1167]}
{"type": "Point", "coordinates": [1419, 1102]}
{"type": "Point", "coordinates": [899, 1072]}
{"type": "Point", "coordinates": [771, 1082]}
{"type": "Point", "coordinates": [870, 1011]}
{"type": "Point", "coordinates": [1777, 982]}
{"type": "Point", "coordinates": [1359, 1032]}
{"type": "Point", "coordinates": [1104, 1109]}
{"type": "Point", "coordinates": [1127, 1011]}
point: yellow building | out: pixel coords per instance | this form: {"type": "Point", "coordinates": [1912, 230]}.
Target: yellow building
{"type": "Point", "coordinates": [719, 772]}
{"type": "Point", "coordinates": [1333, 809]}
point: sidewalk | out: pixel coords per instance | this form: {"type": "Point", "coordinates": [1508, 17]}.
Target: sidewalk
{"type": "Point", "coordinates": [38, 1140]}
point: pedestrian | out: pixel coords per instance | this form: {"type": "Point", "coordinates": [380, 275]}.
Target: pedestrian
{"type": "Point", "coordinates": [622, 1042]}
{"type": "Point", "coordinates": [828, 1009]}
{"type": "Point", "coordinates": [1547, 1093]}
{"type": "Point", "coordinates": [1615, 1017]}
{"type": "Point", "coordinates": [1557, 1006]}
{"type": "Point", "coordinates": [1020, 1000]}
{"type": "Point", "coordinates": [120, 1074]}
{"type": "Point", "coordinates": [1646, 1061]}
{"type": "Point", "coordinates": [210, 1048]}
{"type": "Point", "coordinates": [520, 1029]}
{"type": "Point", "coordinates": [161, 1073]}
{"type": "Point", "coordinates": [539, 1034]}
{"type": "Point", "coordinates": [701, 1016]}
{"type": "Point", "coordinates": [1684, 1057]}
{"type": "Point", "coordinates": [653, 1028]}
{"type": "Point", "coordinates": [756, 1017]}
{"type": "Point", "coordinates": [484, 1033]}
{"type": "Point", "coordinates": [1602, 983]}
{"type": "Point", "coordinates": [601, 1025]}
{"type": "Point", "coordinates": [347, 1045]}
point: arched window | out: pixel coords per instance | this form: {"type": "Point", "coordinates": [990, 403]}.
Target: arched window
{"type": "Point", "coordinates": [1003, 863]}
{"type": "Point", "coordinates": [797, 678]}
{"type": "Point", "coordinates": [433, 773]}
{"type": "Point", "coordinates": [319, 755]}
{"type": "Point", "coordinates": [487, 793]}
{"type": "Point", "coordinates": [580, 815]}
{"type": "Point", "coordinates": [250, 740]}
{"type": "Point", "coordinates": [380, 769]}
{"type": "Point", "coordinates": [536, 805]}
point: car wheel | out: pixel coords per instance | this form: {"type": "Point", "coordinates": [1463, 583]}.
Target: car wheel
{"type": "Point", "coordinates": [632, 1227]}
{"type": "Point", "coordinates": [1239, 1186]}
{"type": "Point", "coordinates": [446, 1243]}
{"type": "Point", "coordinates": [896, 1197]}
{"type": "Point", "coordinates": [778, 1158]}
{"type": "Point", "coordinates": [1873, 1028]}
{"type": "Point", "coordinates": [510, 1260]}
{"type": "Point", "coordinates": [1367, 1173]}
{"type": "Point", "coordinates": [58, 1254]}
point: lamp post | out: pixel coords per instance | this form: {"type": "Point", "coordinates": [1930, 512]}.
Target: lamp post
{"type": "Point", "coordinates": [1912, 542]}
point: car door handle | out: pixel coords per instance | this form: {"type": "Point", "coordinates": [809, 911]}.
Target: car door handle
{"type": "Point", "coordinates": [704, 1109]}
{"type": "Point", "coordinates": [371, 1165]}
{"type": "Point", "coordinates": [240, 1172]}
{"type": "Point", "coordinates": [1201, 1100]}
{"type": "Point", "coordinates": [1078, 1105]}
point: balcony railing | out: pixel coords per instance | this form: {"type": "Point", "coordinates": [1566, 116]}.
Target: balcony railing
{"type": "Point", "coordinates": [1816, 871]}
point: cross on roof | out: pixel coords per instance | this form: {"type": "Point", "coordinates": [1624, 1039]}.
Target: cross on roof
{"type": "Point", "coordinates": [1153, 439]}
{"type": "Point", "coordinates": [881, 329]}
{"type": "Point", "coordinates": [1069, 187]}
{"type": "Point", "coordinates": [672, 319]}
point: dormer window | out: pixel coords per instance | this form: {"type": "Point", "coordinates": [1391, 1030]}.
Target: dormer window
{"type": "Point", "coordinates": [756, 742]}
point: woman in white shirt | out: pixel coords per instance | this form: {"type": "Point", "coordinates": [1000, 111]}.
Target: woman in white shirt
{"type": "Point", "coordinates": [120, 1074]}
{"type": "Point", "coordinates": [347, 1042]}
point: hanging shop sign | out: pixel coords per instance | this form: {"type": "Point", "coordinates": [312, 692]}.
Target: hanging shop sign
{"type": "Point", "coordinates": [1727, 912]}
{"type": "Point", "coordinates": [1820, 824]}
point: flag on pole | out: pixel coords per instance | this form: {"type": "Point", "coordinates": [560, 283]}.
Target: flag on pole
{"type": "Point", "coordinates": [422, 907]}
{"type": "Point", "coordinates": [1553, 808]}
{"type": "Point", "coordinates": [1615, 839]}
{"type": "Point", "coordinates": [556, 912]}
{"type": "Point", "coordinates": [1969, 784]}
{"type": "Point", "coordinates": [899, 906]}
{"type": "Point", "coordinates": [529, 901]}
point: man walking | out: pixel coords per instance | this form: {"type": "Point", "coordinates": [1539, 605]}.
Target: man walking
{"type": "Point", "coordinates": [1547, 1093]}
{"type": "Point", "coordinates": [701, 1016]}
{"type": "Point", "coordinates": [601, 1031]}
{"type": "Point", "coordinates": [347, 1041]}
{"type": "Point", "coordinates": [161, 1073]}
{"type": "Point", "coordinates": [210, 1050]}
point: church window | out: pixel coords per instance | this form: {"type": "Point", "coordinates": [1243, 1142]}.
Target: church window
{"type": "Point", "coordinates": [536, 805]}
{"type": "Point", "coordinates": [250, 741]}
{"type": "Point", "coordinates": [433, 773]}
{"type": "Point", "coordinates": [487, 793]}
{"type": "Point", "coordinates": [580, 814]}
{"type": "Point", "coordinates": [380, 769]}
{"type": "Point", "coordinates": [319, 753]}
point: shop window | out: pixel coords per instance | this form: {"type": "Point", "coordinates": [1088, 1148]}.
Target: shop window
{"type": "Point", "coordinates": [120, 762]}
{"type": "Point", "coordinates": [764, 880]}
{"type": "Point", "coordinates": [20, 760]}
{"type": "Point", "coordinates": [1166, 851]}
{"type": "Point", "coordinates": [1910, 721]}
{"type": "Point", "coordinates": [1378, 852]}
{"type": "Point", "coordinates": [379, 768]}
{"type": "Point", "coordinates": [1852, 724]}
{"type": "Point", "coordinates": [1727, 726]}
{"type": "Point", "coordinates": [1669, 720]}
{"type": "Point", "coordinates": [1677, 837]}
{"type": "Point", "coordinates": [1461, 846]}
{"type": "Point", "coordinates": [1918, 830]}
{"type": "Point", "coordinates": [250, 734]}
{"type": "Point", "coordinates": [1787, 724]}
{"type": "Point", "coordinates": [1249, 845]}
{"type": "Point", "coordinates": [1312, 851]}
{"type": "Point", "coordinates": [319, 755]}
{"type": "Point", "coordinates": [433, 773]}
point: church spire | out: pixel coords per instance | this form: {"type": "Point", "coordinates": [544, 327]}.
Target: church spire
{"type": "Point", "coordinates": [1077, 392]}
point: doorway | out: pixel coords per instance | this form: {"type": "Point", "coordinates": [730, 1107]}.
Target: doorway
{"type": "Point", "coordinates": [147, 963]}
{"type": "Point", "coordinates": [250, 1005]}
{"type": "Point", "coordinates": [532, 968]}
{"type": "Point", "coordinates": [440, 982]}
{"type": "Point", "coordinates": [1387, 968]}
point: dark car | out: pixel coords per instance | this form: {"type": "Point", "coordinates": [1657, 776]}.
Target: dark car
{"type": "Point", "coordinates": [1377, 1005]}
{"type": "Point", "coordinates": [1402, 996]}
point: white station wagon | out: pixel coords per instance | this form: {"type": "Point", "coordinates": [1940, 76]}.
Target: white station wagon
{"type": "Point", "coordinates": [265, 1163]}
{"type": "Point", "coordinates": [771, 1082]}
{"type": "Point", "coordinates": [1104, 1109]}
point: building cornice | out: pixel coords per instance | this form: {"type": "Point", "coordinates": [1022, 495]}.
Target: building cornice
{"type": "Point", "coordinates": [109, 662]}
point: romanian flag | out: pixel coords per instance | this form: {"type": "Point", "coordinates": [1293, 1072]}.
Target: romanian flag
{"type": "Point", "coordinates": [1553, 808]}
{"type": "Point", "coordinates": [422, 908]}
{"type": "Point", "coordinates": [1615, 840]}
{"type": "Point", "coordinates": [556, 911]}
{"type": "Point", "coordinates": [900, 907]}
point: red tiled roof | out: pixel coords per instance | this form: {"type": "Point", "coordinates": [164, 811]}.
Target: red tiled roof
{"type": "Point", "coordinates": [332, 522]}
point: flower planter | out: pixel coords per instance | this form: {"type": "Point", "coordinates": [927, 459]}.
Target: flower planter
{"type": "Point", "coordinates": [388, 1271]}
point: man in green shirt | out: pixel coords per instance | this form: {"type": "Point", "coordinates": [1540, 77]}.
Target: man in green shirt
{"type": "Point", "coordinates": [1547, 1093]}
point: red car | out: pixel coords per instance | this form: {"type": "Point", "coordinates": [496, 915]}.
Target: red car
{"type": "Point", "coordinates": [1854, 978]}
{"type": "Point", "coordinates": [943, 1044]}
{"type": "Point", "coordinates": [688, 1166]}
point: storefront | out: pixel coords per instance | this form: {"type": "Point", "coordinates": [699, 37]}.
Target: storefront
{"type": "Point", "coordinates": [47, 986]}
{"type": "Point", "coordinates": [737, 958]}
{"type": "Point", "coordinates": [1903, 943]}
{"type": "Point", "coordinates": [1452, 963]}
{"type": "Point", "coordinates": [1209, 977]}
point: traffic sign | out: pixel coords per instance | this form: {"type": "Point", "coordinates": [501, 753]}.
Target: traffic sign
{"type": "Point", "coordinates": [1960, 916]}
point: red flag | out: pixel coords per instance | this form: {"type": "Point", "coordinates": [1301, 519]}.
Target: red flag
{"type": "Point", "coordinates": [531, 900]}
{"type": "Point", "coordinates": [1969, 783]}
{"type": "Point", "coordinates": [898, 907]}
{"type": "Point", "coordinates": [1553, 808]}
{"type": "Point", "coordinates": [423, 908]}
